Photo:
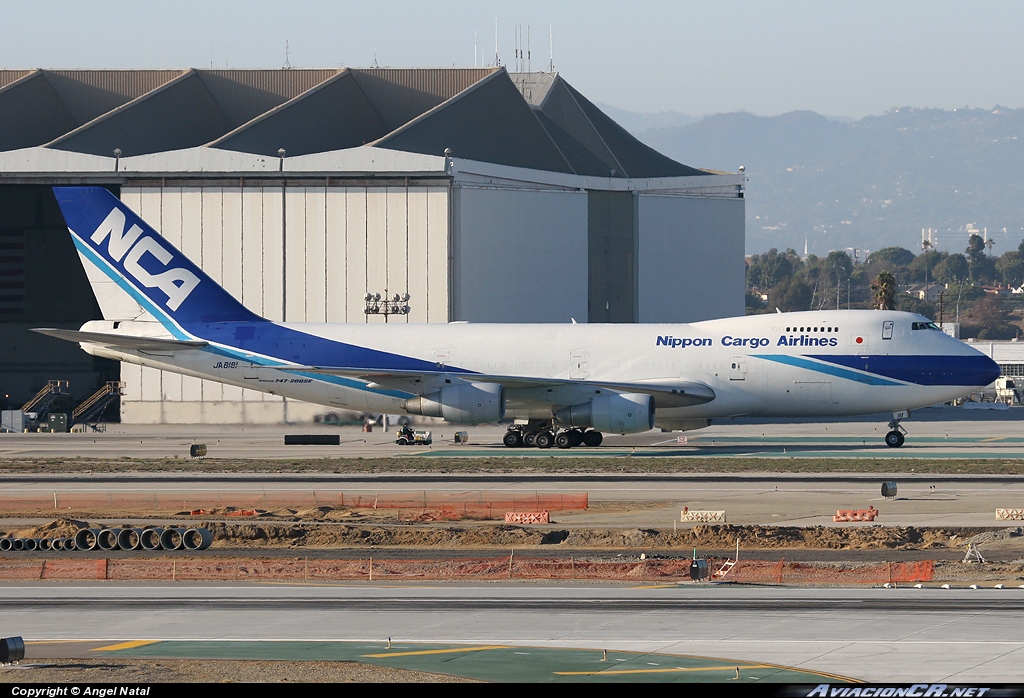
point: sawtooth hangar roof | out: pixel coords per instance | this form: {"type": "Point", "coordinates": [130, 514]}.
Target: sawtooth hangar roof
{"type": "Point", "coordinates": [532, 120]}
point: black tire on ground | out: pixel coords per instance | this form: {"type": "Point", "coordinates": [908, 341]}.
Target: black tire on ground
{"type": "Point", "coordinates": [403, 441]}
{"type": "Point", "coordinates": [530, 439]}
{"type": "Point", "coordinates": [512, 439]}
{"type": "Point", "coordinates": [592, 438]}
{"type": "Point", "coordinates": [545, 439]}
{"type": "Point", "coordinates": [564, 440]}
{"type": "Point", "coordinates": [894, 439]}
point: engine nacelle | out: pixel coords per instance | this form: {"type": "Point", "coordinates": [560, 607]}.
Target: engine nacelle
{"type": "Point", "coordinates": [462, 403]}
{"type": "Point", "coordinates": [628, 413]}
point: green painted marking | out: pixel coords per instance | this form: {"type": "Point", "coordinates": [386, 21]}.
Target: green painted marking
{"type": "Point", "coordinates": [755, 448]}
{"type": "Point", "coordinates": [491, 663]}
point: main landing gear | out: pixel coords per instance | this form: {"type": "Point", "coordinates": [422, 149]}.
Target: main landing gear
{"type": "Point", "coordinates": [896, 435]}
{"type": "Point", "coordinates": [546, 435]}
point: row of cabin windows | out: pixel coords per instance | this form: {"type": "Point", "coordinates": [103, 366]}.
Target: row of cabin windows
{"type": "Point", "coordinates": [835, 330]}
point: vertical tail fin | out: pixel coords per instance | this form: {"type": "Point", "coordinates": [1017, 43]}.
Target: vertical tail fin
{"type": "Point", "coordinates": [121, 247]}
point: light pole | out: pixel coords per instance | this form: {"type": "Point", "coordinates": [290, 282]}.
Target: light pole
{"type": "Point", "coordinates": [925, 246]}
{"type": "Point", "coordinates": [376, 304]}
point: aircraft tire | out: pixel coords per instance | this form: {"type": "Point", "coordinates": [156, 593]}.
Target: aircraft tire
{"type": "Point", "coordinates": [565, 440]}
{"type": "Point", "coordinates": [592, 438]}
{"type": "Point", "coordinates": [545, 439]}
{"type": "Point", "coordinates": [894, 439]}
{"type": "Point", "coordinates": [512, 439]}
{"type": "Point", "coordinates": [530, 439]}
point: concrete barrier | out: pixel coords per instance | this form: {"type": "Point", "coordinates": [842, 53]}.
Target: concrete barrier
{"type": "Point", "coordinates": [688, 516]}
{"type": "Point", "coordinates": [868, 514]}
{"type": "Point", "coordinates": [527, 517]}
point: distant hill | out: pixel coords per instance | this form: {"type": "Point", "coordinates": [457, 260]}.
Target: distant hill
{"type": "Point", "coordinates": [638, 122]}
{"type": "Point", "coordinates": [870, 183]}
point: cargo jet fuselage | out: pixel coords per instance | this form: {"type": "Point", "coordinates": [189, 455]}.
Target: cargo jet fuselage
{"type": "Point", "coordinates": [564, 384]}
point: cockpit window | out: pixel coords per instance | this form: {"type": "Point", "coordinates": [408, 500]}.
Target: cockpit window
{"type": "Point", "coordinates": [925, 326]}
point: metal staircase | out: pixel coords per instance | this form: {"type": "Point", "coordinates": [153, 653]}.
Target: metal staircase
{"type": "Point", "coordinates": [92, 408]}
{"type": "Point", "coordinates": [40, 404]}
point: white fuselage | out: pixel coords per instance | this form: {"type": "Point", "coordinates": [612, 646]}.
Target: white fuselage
{"type": "Point", "coordinates": [776, 365]}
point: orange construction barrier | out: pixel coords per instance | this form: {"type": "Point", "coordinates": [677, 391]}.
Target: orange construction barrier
{"type": "Point", "coordinates": [868, 514]}
{"type": "Point", "coordinates": [527, 517]}
{"type": "Point", "coordinates": [238, 512]}
{"type": "Point", "coordinates": [481, 504]}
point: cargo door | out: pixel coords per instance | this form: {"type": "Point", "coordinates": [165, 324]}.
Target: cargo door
{"type": "Point", "coordinates": [738, 368]}
{"type": "Point", "coordinates": [813, 391]}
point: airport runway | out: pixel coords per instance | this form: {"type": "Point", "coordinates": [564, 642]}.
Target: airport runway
{"type": "Point", "coordinates": [943, 433]}
{"type": "Point", "coordinates": [892, 635]}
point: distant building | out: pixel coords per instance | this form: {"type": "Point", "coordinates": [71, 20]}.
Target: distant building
{"type": "Point", "coordinates": [929, 293]}
{"type": "Point", "coordinates": [487, 196]}
{"type": "Point", "coordinates": [1008, 354]}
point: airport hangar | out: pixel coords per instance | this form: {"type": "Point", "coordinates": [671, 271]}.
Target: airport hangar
{"type": "Point", "coordinates": [487, 196]}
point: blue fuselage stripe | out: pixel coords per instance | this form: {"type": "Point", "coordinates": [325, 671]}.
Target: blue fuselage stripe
{"type": "Point", "coordinates": [927, 369]}
{"type": "Point", "coordinates": [292, 346]}
{"type": "Point", "coordinates": [892, 370]}
{"type": "Point", "coordinates": [827, 369]}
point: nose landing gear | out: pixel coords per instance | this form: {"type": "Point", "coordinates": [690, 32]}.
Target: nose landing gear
{"type": "Point", "coordinates": [894, 439]}
{"type": "Point", "coordinates": [896, 436]}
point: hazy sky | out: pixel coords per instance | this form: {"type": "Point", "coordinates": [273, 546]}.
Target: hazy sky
{"type": "Point", "coordinates": [836, 58]}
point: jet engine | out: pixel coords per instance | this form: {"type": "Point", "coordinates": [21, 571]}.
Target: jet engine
{"type": "Point", "coordinates": [626, 413]}
{"type": "Point", "coordinates": [462, 403]}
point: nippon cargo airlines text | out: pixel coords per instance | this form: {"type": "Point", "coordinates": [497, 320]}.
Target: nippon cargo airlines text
{"type": "Point", "coordinates": [752, 342]}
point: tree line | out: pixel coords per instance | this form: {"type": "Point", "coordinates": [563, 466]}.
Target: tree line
{"type": "Point", "coordinates": [972, 287]}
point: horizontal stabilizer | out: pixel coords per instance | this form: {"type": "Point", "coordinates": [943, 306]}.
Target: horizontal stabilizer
{"type": "Point", "coordinates": [121, 340]}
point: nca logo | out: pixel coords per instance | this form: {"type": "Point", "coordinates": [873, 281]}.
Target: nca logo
{"type": "Point", "coordinates": [125, 244]}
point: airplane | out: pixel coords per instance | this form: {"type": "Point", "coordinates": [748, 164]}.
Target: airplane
{"type": "Point", "coordinates": [563, 385]}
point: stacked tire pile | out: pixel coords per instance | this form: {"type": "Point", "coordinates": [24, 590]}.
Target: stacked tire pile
{"type": "Point", "coordinates": [110, 539]}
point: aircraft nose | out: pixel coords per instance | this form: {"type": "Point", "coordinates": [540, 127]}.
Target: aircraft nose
{"type": "Point", "coordinates": [989, 372]}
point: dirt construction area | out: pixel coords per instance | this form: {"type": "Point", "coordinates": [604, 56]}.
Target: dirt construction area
{"type": "Point", "coordinates": [285, 551]}
{"type": "Point", "coordinates": [591, 538]}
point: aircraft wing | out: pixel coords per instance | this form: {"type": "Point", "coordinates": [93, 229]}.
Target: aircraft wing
{"type": "Point", "coordinates": [119, 340]}
{"type": "Point", "coordinates": [669, 393]}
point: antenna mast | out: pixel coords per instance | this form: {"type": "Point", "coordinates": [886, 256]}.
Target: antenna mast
{"type": "Point", "coordinates": [551, 49]}
{"type": "Point", "coordinates": [515, 46]}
